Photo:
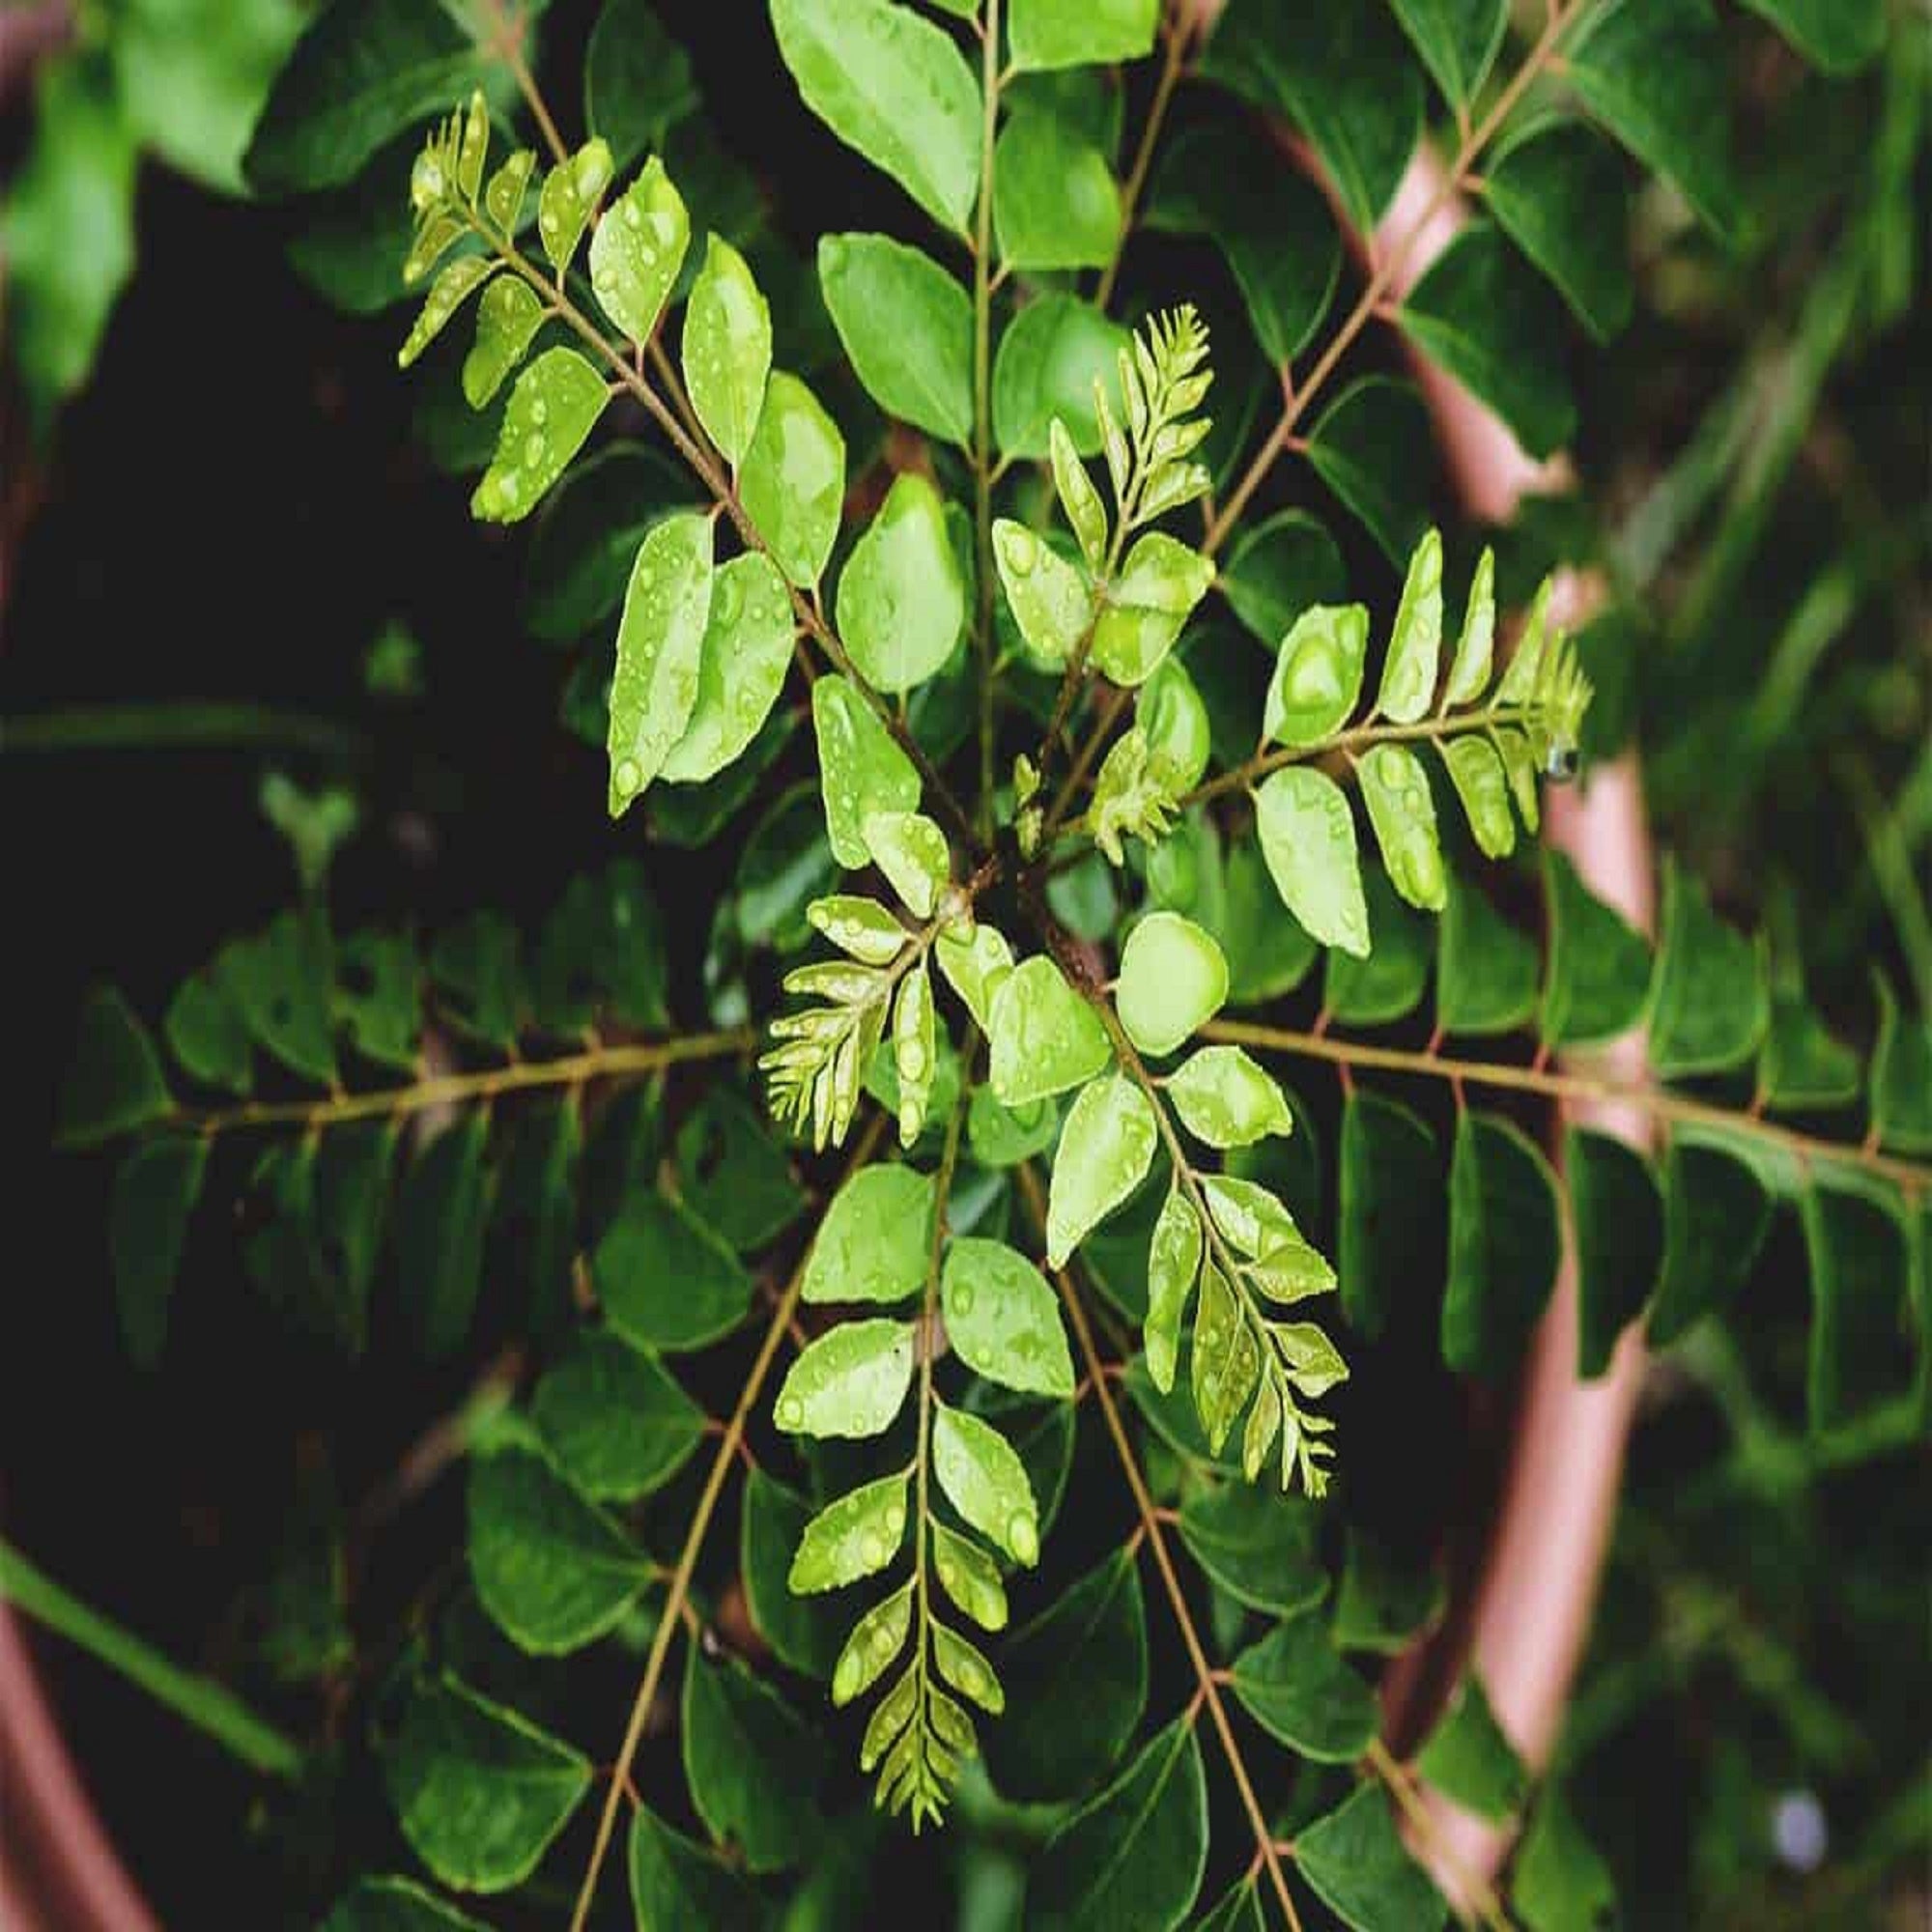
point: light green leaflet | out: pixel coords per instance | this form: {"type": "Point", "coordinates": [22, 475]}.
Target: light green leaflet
{"type": "Point", "coordinates": [975, 969]}
{"type": "Point", "coordinates": [1173, 1259]}
{"type": "Point", "coordinates": [503, 197]}
{"type": "Point", "coordinates": [911, 851]}
{"type": "Point", "coordinates": [552, 409]}
{"type": "Point", "coordinates": [660, 648]}
{"type": "Point", "coordinates": [793, 481]}
{"type": "Point", "coordinates": [859, 927]}
{"type": "Point", "coordinates": [915, 1053]}
{"type": "Point", "coordinates": [1475, 649]}
{"type": "Point", "coordinates": [740, 668]}
{"type": "Point", "coordinates": [451, 289]}
{"type": "Point", "coordinates": [876, 1639]}
{"type": "Point", "coordinates": [907, 326]}
{"type": "Point", "coordinates": [970, 1578]}
{"type": "Point", "coordinates": [507, 321]}
{"type": "Point", "coordinates": [962, 1666]}
{"type": "Point", "coordinates": [876, 1241]}
{"type": "Point", "coordinates": [1395, 790]}
{"type": "Point", "coordinates": [1174, 978]}
{"type": "Point", "coordinates": [1148, 605]}
{"type": "Point", "coordinates": [1001, 1318]}
{"type": "Point", "coordinates": [855, 1537]}
{"type": "Point", "coordinates": [638, 250]}
{"type": "Point", "coordinates": [1308, 839]}
{"type": "Point", "coordinates": [1046, 1038]}
{"type": "Point", "coordinates": [901, 597]}
{"type": "Point", "coordinates": [862, 769]}
{"type": "Point", "coordinates": [1081, 33]}
{"type": "Point", "coordinates": [727, 348]}
{"type": "Point", "coordinates": [1170, 712]}
{"type": "Point", "coordinates": [851, 1381]}
{"type": "Point", "coordinates": [984, 1480]}
{"type": "Point", "coordinates": [1477, 774]}
{"type": "Point", "coordinates": [1257, 1226]}
{"type": "Point", "coordinates": [1086, 513]}
{"type": "Point", "coordinates": [1227, 1358]}
{"type": "Point", "coordinates": [1050, 600]}
{"type": "Point", "coordinates": [1056, 204]}
{"type": "Point", "coordinates": [569, 192]}
{"type": "Point", "coordinates": [1224, 1099]}
{"type": "Point", "coordinates": [1318, 675]}
{"type": "Point", "coordinates": [1416, 645]}
{"type": "Point", "coordinates": [1105, 1150]}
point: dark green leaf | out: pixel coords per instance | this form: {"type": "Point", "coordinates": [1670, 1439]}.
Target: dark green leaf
{"type": "Point", "coordinates": [281, 978]}
{"type": "Point", "coordinates": [1355, 1861]}
{"type": "Point", "coordinates": [533, 1218]}
{"type": "Point", "coordinates": [1367, 448]}
{"type": "Point", "coordinates": [208, 1032]}
{"type": "Point", "coordinates": [733, 1174]}
{"type": "Point", "coordinates": [114, 1081]}
{"type": "Point", "coordinates": [439, 1234]}
{"type": "Point", "coordinates": [1278, 570]}
{"type": "Point", "coordinates": [677, 1882]}
{"type": "Point", "coordinates": [1618, 1215]}
{"type": "Point", "coordinates": [752, 1764]}
{"type": "Point", "coordinates": [1901, 1076]}
{"type": "Point", "coordinates": [1505, 1240]}
{"type": "Point", "coordinates": [1560, 1882]}
{"type": "Point", "coordinates": [666, 1280]}
{"type": "Point", "coordinates": [1056, 204]}
{"type": "Point", "coordinates": [1294, 1685]}
{"type": "Point", "coordinates": [477, 960]}
{"type": "Point", "coordinates": [378, 997]}
{"type": "Point", "coordinates": [1238, 1910]}
{"type": "Point", "coordinates": [636, 81]}
{"type": "Point", "coordinates": [1388, 983]}
{"type": "Point", "coordinates": [1598, 972]}
{"type": "Point", "coordinates": [1386, 1600]}
{"type": "Point", "coordinates": [1468, 1758]}
{"type": "Point", "coordinates": [1458, 40]}
{"type": "Point", "coordinates": [620, 1426]}
{"type": "Point", "coordinates": [1800, 1064]}
{"type": "Point", "coordinates": [907, 326]}
{"type": "Point", "coordinates": [1558, 192]}
{"type": "Point", "coordinates": [1709, 1005]}
{"type": "Point", "coordinates": [1268, 953]}
{"type": "Point", "coordinates": [1389, 1229]}
{"type": "Point", "coordinates": [154, 1192]}
{"type": "Point", "coordinates": [784, 864]}
{"type": "Point", "coordinates": [1862, 1349]}
{"type": "Point", "coordinates": [1716, 1216]}
{"type": "Point", "coordinates": [1838, 36]}
{"type": "Point", "coordinates": [1486, 969]}
{"type": "Point", "coordinates": [1049, 358]}
{"type": "Point", "coordinates": [1256, 1546]}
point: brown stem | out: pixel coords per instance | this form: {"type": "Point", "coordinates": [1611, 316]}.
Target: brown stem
{"type": "Point", "coordinates": [1178, 31]}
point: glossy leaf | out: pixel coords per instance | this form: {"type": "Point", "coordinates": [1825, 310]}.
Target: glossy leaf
{"type": "Point", "coordinates": [1056, 204]}
{"type": "Point", "coordinates": [1173, 979]}
{"type": "Point", "coordinates": [454, 285]}
{"type": "Point", "coordinates": [637, 252]}
{"type": "Point", "coordinates": [1049, 358]}
{"type": "Point", "coordinates": [1599, 970]}
{"type": "Point", "coordinates": [1357, 1865]}
{"type": "Point", "coordinates": [726, 349]}
{"type": "Point", "coordinates": [1618, 1215]}
{"type": "Point", "coordinates": [1174, 1262]}
{"type": "Point", "coordinates": [552, 410]}
{"type": "Point", "coordinates": [1079, 33]}
{"type": "Point", "coordinates": [1105, 1150]}
{"type": "Point", "coordinates": [1298, 1689]}
{"type": "Point", "coordinates": [1003, 1320]}
{"type": "Point", "coordinates": [1258, 1547]}
{"type": "Point", "coordinates": [660, 651]}
{"type": "Point", "coordinates": [1505, 1240]}
{"type": "Point", "coordinates": [1227, 1358]}
{"type": "Point", "coordinates": [911, 852]}
{"type": "Point", "coordinates": [857, 1536]}
{"type": "Point", "coordinates": [1148, 603]}
{"type": "Point", "coordinates": [1318, 675]}
{"type": "Point", "coordinates": [1280, 569]}
{"type": "Point", "coordinates": [984, 1480]}
{"type": "Point", "coordinates": [901, 597]}
{"type": "Point", "coordinates": [1415, 643]}
{"type": "Point", "coordinates": [1389, 1224]}
{"type": "Point", "coordinates": [666, 1281]}
{"type": "Point", "coordinates": [907, 326]}
{"type": "Point", "coordinates": [851, 1381]}
{"type": "Point", "coordinates": [742, 660]}
{"type": "Point", "coordinates": [1046, 1038]}
{"type": "Point", "coordinates": [792, 480]}
{"type": "Point", "coordinates": [570, 193]}
{"type": "Point", "coordinates": [1051, 602]}
{"type": "Point", "coordinates": [1308, 837]}
{"type": "Point", "coordinates": [752, 1763]}
{"type": "Point", "coordinates": [1801, 1064]}
{"type": "Point", "coordinates": [1224, 1099]}
{"type": "Point", "coordinates": [876, 1641]}
{"type": "Point", "coordinates": [1395, 788]}
{"type": "Point", "coordinates": [619, 1427]}
{"type": "Point", "coordinates": [1483, 787]}
{"type": "Point", "coordinates": [862, 769]}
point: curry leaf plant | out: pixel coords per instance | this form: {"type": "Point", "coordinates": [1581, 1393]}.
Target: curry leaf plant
{"type": "Point", "coordinates": [1041, 757]}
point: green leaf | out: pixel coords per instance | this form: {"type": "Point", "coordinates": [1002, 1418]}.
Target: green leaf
{"type": "Point", "coordinates": [752, 1763]}
{"type": "Point", "coordinates": [476, 960]}
{"type": "Point", "coordinates": [1169, 709]}
{"type": "Point", "coordinates": [984, 1480]}
{"type": "Point", "coordinates": [742, 662]}
{"type": "Point", "coordinates": [1863, 1351]}
{"type": "Point", "coordinates": [1709, 1005]}
{"type": "Point", "coordinates": [1801, 1064]}
{"type": "Point", "coordinates": [281, 978]}
{"type": "Point", "coordinates": [1049, 358]}
{"type": "Point", "coordinates": [208, 1033]}
{"type": "Point", "coordinates": [1716, 1216]}
{"type": "Point", "coordinates": [1105, 1150]}
{"type": "Point", "coordinates": [907, 326]}
{"type": "Point", "coordinates": [1298, 1689]}
{"type": "Point", "coordinates": [1308, 839]}
{"type": "Point", "coordinates": [1173, 1260]}
{"type": "Point", "coordinates": [895, 87]}
{"type": "Point", "coordinates": [1046, 1038]}
{"type": "Point", "coordinates": [1086, 514]}
{"type": "Point", "coordinates": [569, 195]}
{"type": "Point", "coordinates": [857, 1536]}
{"type": "Point", "coordinates": [1598, 972]}
{"type": "Point", "coordinates": [1238, 1910]}
{"type": "Point", "coordinates": [378, 998]}
{"type": "Point", "coordinates": [1458, 40]}
{"type": "Point", "coordinates": [1227, 1358]}
{"type": "Point", "coordinates": [1368, 447]}
{"type": "Point", "coordinates": [660, 651]}
{"type": "Point", "coordinates": [1477, 773]}
{"type": "Point", "coordinates": [636, 83]}
{"type": "Point", "coordinates": [1258, 1547]}
{"type": "Point", "coordinates": [1224, 1099]}
{"type": "Point", "coordinates": [1318, 675]}
{"type": "Point", "coordinates": [863, 772]}
{"type": "Point", "coordinates": [1475, 648]}
{"type": "Point", "coordinates": [1277, 571]}
{"type": "Point", "coordinates": [554, 1572]}
{"type": "Point", "coordinates": [1505, 1240]}
{"type": "Point", "coordinates": [793, 481]}
{"type": "Point", "coordinates": [479, 1792]}
{"type": "Point", "coordinates": [1343, 76]}
{"type": "Point", "coordinates": [453, 286]}
{"type": "Point", "coordinates": [1387, 986]}
{"type": "Point", "coordinates": [1076, 1686]}
{"type": "Point", "coordinates": [1901, 1076]}
{"type": "Point", "coordinates": [1559, 1884]}
{"type": "Point", "coordinates": [1356, 1864]}
{"type": "Point", "coordinates": [1003, 1320]}
{"type": "Point", "coordinates": [734, 1175]}
{"type": "Point", "coordinates": [586, 538]}
{"type": "Point", "coordinates": [963, 1666]}
{"type": "Point", "coordinates": [1051, 602]}
{"type": "Point", "coordinates": [805, 1633]}
{"type": "Point", "coordinates": [619, 1427]}
{"type": "Point", "coordinates": [1838, 36]}
{"type": "Point", "coordinates": [676, 1881]}
{"type": "Point", "coordinates": [1491, 323]}
{"type": "Point", "coordinates": [552, 410]}
{"type": "Point", "coordinates": [1385, 1602]}
{"type": "Point", "coordinates": [912, 853]}
{"type": "Point", "coordinates": [1080, 33]}
{"type": "Point", "coordinates": [114, 1082]}
{"type": "Point", "coordinates": [653, 1242]}
{"type": "Point", "coordinates": [875, 1241]}
{"type": "Point", "coordinates": [1135, 1854]}
{"type": "Point", "coordinates": [727, 348]}
{"type": "Point", "coordinates": [395, 1905]}
{"type": "Point", "coordinates": [1173, 980]}
{"type": "Point", "coordinates": [877, 1640]}
{"type": "Point", "coordinates": [1654, 72]}
{"type": "Point", "coordinates": [637, 252]}
{"type": "Point", "coordinates": [154, 1192]}
{"type": "Point", "coordinates": [1395, 788]}
{"type": "Point", "coordinates": [1487, 971]}
{"type": "Point", "coordinates": [1618, 1215]}
{"type": "Point", "coordinates": [1415, 643]}
{"type": "Point", "coordinates": [968, 1576]}
{"type": "Point", "coordinates": [851, 1381]}
{"type": "Point", "coordinates": [441, 1220]}
{"type": "Point", "coordinates": [1389, 1225]}
{"type": "Point", "coordinates": [784, 866]}
{"type": "Point", "coordinates": [1468, 1758]}
{"type": "Point", "coordinates": [901, 597]}
{"type": "Point", "coordinates": [1147, 604]}
{"type": "Point", "coordinates": [1056, 204]}
{"type": "Point", "coordinates": [1557, 190]}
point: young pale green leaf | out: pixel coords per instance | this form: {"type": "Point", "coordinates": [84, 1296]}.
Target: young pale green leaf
{"type": "Point", "coordinates": [1599, 970]}
{"type": "Point", "coordinates": [1308, 839]}
{"type": "Point", "coordinates": [1371, 447]}
{"type": "Point", "coordinates": [901, 597]}
{"type": "Point", "coordinates": [984, 1480]}
{"type": "Point", "coordinates": [962, 1666]}
{"type": "Point", "coordinates": [554, 1572]}
{"type": "Point", "coordinates": [1105, 1150]}
{"type": "Point", "coordinates": [619, 1427]}
{"type": "Point", "coordinates": [752, 1763]}
{"type": "Point", "coordinates": [395, 1905]}
{"type": "Point", "coordinates": [453, 286]}
{"type": "Point", "coordinates": [504, 192]}
{"type": "Point", "coordinates": [1458, 40]}
{"type": "Point", "coordinates": [1081, 33]}
{"type": "Point", "coordinates": [660, 651]}
{"type": "Point", "coordinates": [911, 852]}
{"type": "Point", "coordinates": [1475, 647]}
{"type": "Point", "coordinates": [1318, 675]}
{"type": "Point", "coordinates": [674, 1881]}
{"type": "Point", "coordinates": [1050, 600]}
{"type": "Point", "coordinates": [1298, 1689]}
{"type": "Point", "coordinates": [479, 1792]}
{"type": "Point", "coordinates": [875, 1241]}
{"type": "Point", "coordinates": [968, 1576]}
{"type": "Point", "coordinates": [1505, 1240]}
{"type": "Point", "coordinates": [1618, 1215]}
{"type": "Point", "coordinates": [569, 192]}
{"type": "Point", "coordinates": [1170, 710]}
{"type": "Point", "coordinates": [1227, 1358]}
{"type": "Point", "coordinates": [1716, 1214]}
{"type": "Point", "coordinates": [742, 660]}
{"type": "Point", "coordinates": [1056, 204]}
{"type": "Point", "coordinates": [1173, 982]}
{"type": "Point", "coordinates": [1134, 1855]}
{"type": "Point", "coordinates": [1224, 1099]}
{"type": "Point", "coordinates": [1357, 1865]}
{"type": "Point", "coordinates": [860, 927]}
{"type": "Point", "coordinates": [1049, 358]}
{"type": "Point", "coordinates": [637, 252]}
{"type": "Point", "coordinates": [907, 326]}
{"type": "Point", "coordinates": [654, 1241]}
{"type": "Point", "coordinates": [1046, 1038]}
{"type": "Point", "coordinates": [1001, 1318]}
{"type": "Point", "coordinates": [726, 349]}
{"type": "Point", "coordinates": [877, 1638]}
{"type": "Point", "coordinates": [862, 769]}
{"type": "Point", "coordinates": [1147, 606]}
{"type": "Point", "coordinates": [1710, 1004]}
{"type": "Point", "coordinates": [1173, 1260]}
{"type": "Point", "coordinates": [857, 1536]}
{"type": "Point", "coordinates": [792, 480]}
{"type": "Point", "coordinates": [1477, 773]}
{"type": "Point", "coordinates": [552, 410]}
{"type": "Point", "coordinates": [851, 1381]}
{"type": "Point", "coordinates": [507, 321]}
{"type": "Point", "coordinates": [975, 969]}
{"type": "Point", "coordinates": [1415, 645]}
{"type": "Point", "coordinates": [1558, 1883]}
{"type": "Point", "coordinates": [1086, 513]}
{"type": "Point", "coordinates": [154, 1192]}
{"type": "Point", "coordinates": [895, 87]}
{"type": "Point", "coordinates": [1263, 1549]}
{"type": "Point", "coordinates": [1468, 1758]}
{"type": "Point", "coordinates": [1286, 1266]}
{"type": "Point", "coordinates": [1486, 974]}
{"type": "Point", "coordinates": [1395, 788]}
{"type": "Point", "coordinates": [1901, 1075]}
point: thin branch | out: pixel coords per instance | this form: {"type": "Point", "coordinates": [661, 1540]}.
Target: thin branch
{"type": "Point", "coordinates": [1395, 1775]}
{"type": "Point", "coordinates": [1136, 182]}
{"type": "Point", "coordinates": [982, 388]}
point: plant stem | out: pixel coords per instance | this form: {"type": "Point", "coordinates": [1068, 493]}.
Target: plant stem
{"type": "Point", "coordinates": [1150, 1531]}
{"type": "Point", "coordinates": [1136, 182]}
{"type": "Point", "coordinates": [1913, 1177]}
{"type": "Point", "coordinates": [982, 387]}
{"type": "Point", "coordinates": [1375, 291]}
{"type": "Point", "coordinates": [671, 1618]}
{"type": "Point", "coordinates": [1395, 1775]}
{"type": "Point", "coordinates": [144, 727]}
{"type": "Point", "coordinates": [600, 1062]}
{"type": "Point", "coordinates": [506, 41]}
{"type": "Point", "coordinates": [208, 1706]}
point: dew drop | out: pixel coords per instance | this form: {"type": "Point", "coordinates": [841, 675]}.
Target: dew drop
{"type": "Point", "coordinates": [1022, 1537]}
{"type": "Point", "coordinates": [962, 1299]}
{"type": "Point", "coordinates": [791, 1411]}
{"type": "Point", "coordinates": [1022, 552]}
{"type": "Point", "coordinates": [883, 1639]}
{"type": "Point", "coordinates": [845, 1681]}
{"type": "Point", "coordinates": [628, 776]}
{"type": "Point", "coordinates": [872, 1550]}
{"type": "Point", "coordinates": [896, 1520]}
